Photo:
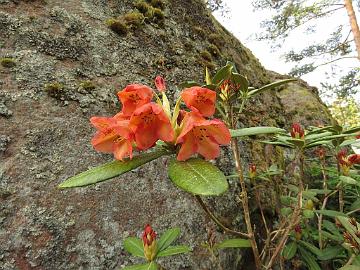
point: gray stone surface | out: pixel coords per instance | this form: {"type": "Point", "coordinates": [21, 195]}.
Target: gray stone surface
{"type": "Point", "coordinates": [45, 136]}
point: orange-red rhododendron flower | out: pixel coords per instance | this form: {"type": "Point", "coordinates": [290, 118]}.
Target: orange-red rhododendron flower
{"type": "Point", "coordinates": [202, 136]}
{"type": "Point", "coordinates": [150, 123]}
{"type": "Point", "coordinates": [113, 136]}
{"type": "Point", "coordinates": [134, 96]}
{"type": "Point", "coordinates": [202, 99]}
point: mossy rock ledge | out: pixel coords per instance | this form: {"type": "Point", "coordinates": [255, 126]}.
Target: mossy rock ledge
{"type": "Point", "coordinates": [46, 137]}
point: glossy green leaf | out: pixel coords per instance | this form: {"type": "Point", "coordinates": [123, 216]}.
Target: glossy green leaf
{"type": "Point", "coordinates": [110, 170]}
{"type": "Point", "coordinates": [167, 238]}
{"type": "Point", "coordinates": [317, 143]}
{"type": "Point", "coordinates": [270, 86]}
{"type": "Point", "coordinates": [240, 80]}
{"type": "Point", "coordinates": [289, 250]}
{"type": "Point", "coordinates": [197, 176]}
{"type": "Point", "coordinates": [134, 246]}
{"type": "Point", "coordinates": [349, 181]}
{"type": "Point", "coordinates": [173, 250]}
{"type": "Point", "coordinates": [309, 259]}
{"type": "Point", "coordinates": [330, 213]}
{"type": "Point", "coordinates": [222, 74]}
{"type": "Point", "coordinates": [255, 131]}
{"type": "Point", "coordinates": [317, 136]}
{"type": "Point", "coordinates": [207, 76]}
{"type": "Point", "coordinates": [148, 266]}
{"type": "Point", "coordinates": [233, 243]}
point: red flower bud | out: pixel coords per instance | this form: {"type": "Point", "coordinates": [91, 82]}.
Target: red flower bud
{"type": "Point", "coordinates": [297, 131]}
{"type": "Point", "coordinates": [252, 171]}
{"type": "Point", "coordinates": [149, 242]}
{"type": "Point", "coordinates": [149, 235]}
{"type": "Point", "coordinates": [160, 83]}
{"type": "Point", "coordinates": [320, 152]}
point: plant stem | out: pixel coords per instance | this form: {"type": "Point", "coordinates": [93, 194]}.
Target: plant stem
{"type": "Point", "coordinates": [322, 163]}
{"type": "Point", "coordinates": [295, 217]}
{"type": "Point", "coordinates": [217, 221]}
{"type": "Point", "coordinates": [245, 202]}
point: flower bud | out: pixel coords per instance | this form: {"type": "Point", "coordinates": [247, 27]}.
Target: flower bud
{"type": "Point", "coordinates": [297, 131]}
{"type": "Point", "coordinates": [309, 205]}
{"type": "Point", "coordinates": [160, 83]}
{"type": "Point", "coordinates": [352, 221]}
{"type": "Point", "coordinates": [320, 152]}
{"type": "Point", "coordinates": [252, 171]}
{"type": "Point", "coordinates": [149, 243]}
{"type": "Point", "coordinates": [298, 231]}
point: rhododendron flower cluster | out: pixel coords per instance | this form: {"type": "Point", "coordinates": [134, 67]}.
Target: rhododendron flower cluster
{"type": "Point", "coordinates": [346, 162]}
{"type": "Point", "coordinates": [141, 123]}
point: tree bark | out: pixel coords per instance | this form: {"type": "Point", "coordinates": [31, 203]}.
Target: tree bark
{"type": "Point", "coordinates": [354, 25]}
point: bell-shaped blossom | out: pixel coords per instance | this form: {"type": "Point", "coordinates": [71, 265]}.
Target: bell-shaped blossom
{"type": "Point", "coordinates": [134, 96]}
{"type": "Point", "coordinates": [149, 124]}
{"type": "Point", "coordinates": [297, 132]}
{"type": "Point", "coordinates": [160, 83]}
{"type": "Point", "coordinates": [202, 99]}
{"type": "Point", "coordinates": [202, 136]}
{"type": "Point", "coordinates": [149, 242]}
{"type": "Point", "coordinates": [113, 136]}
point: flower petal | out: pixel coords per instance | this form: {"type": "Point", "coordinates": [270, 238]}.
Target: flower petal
{"type": "Point", "coordinates": [188, 148]}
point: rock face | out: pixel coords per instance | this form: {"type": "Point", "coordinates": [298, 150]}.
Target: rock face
{"type": "Point", "coordinates": [67, 66]}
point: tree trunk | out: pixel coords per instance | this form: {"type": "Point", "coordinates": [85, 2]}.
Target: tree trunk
{"type": "Point", "coordinates": [354, 26]}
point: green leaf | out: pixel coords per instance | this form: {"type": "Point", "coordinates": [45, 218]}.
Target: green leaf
{"type": "Point", "coordinates": [148, 266]}
{"type": "Point", "coordinates": [255, 131]}
{"type": "Point", "coordinates": [173, 250]}
{"type": "Point", "coordinates": [189, 84]}
{"type": "Point", "coordinates": [349, 267]}
{"type": "Point", "coordinates": [316, 136]}
{"type": "Point", "coordinates": [197, 176]}
{"type": "Point", "coordinates": [330, 253]}
{"type": "Point", "coordinates": [348, 142]}
{"type": "Point", "coordinates": [317, 143]}
{"type": "Point", "coordinates": [352, 130]}
{"type": "Point", "coordinates": [287, 145]}
{"type": "Point", "coordinates": [309, 259]}
{"type": "Point", "coordinates": [308, 213]}
{"type": "Point", "coordinates": [222, 74]}
{"type": "Point", "coordinates": [110, 170]}
{"type": "Point", "coordinates": [270, 86]}
{"type": "Point", "coordinates": [355, 205]}
{"type": "Point", "coordinates": [289, 250]}
{"type": "Point", "coordinates": [233, 243]}
{"type": "Point", "coordinates": [134, 246]}
{"type": "Point", "coordinates": [311, 248]}
{"type": "Point", "coordinates": [168, 238]}
{"type": "Point", "coordinates": [330, 213]}
{"type": "Point", "coordinates": [349, 181]}
{"type": "Point", "coordinates": [240, 80]}
{"type": "Point", "coordinates": [207, 76]}
{"type": "Point", "coordinates": [349, 227]}
{"type": "Point", "coordinates": [331, 227]}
